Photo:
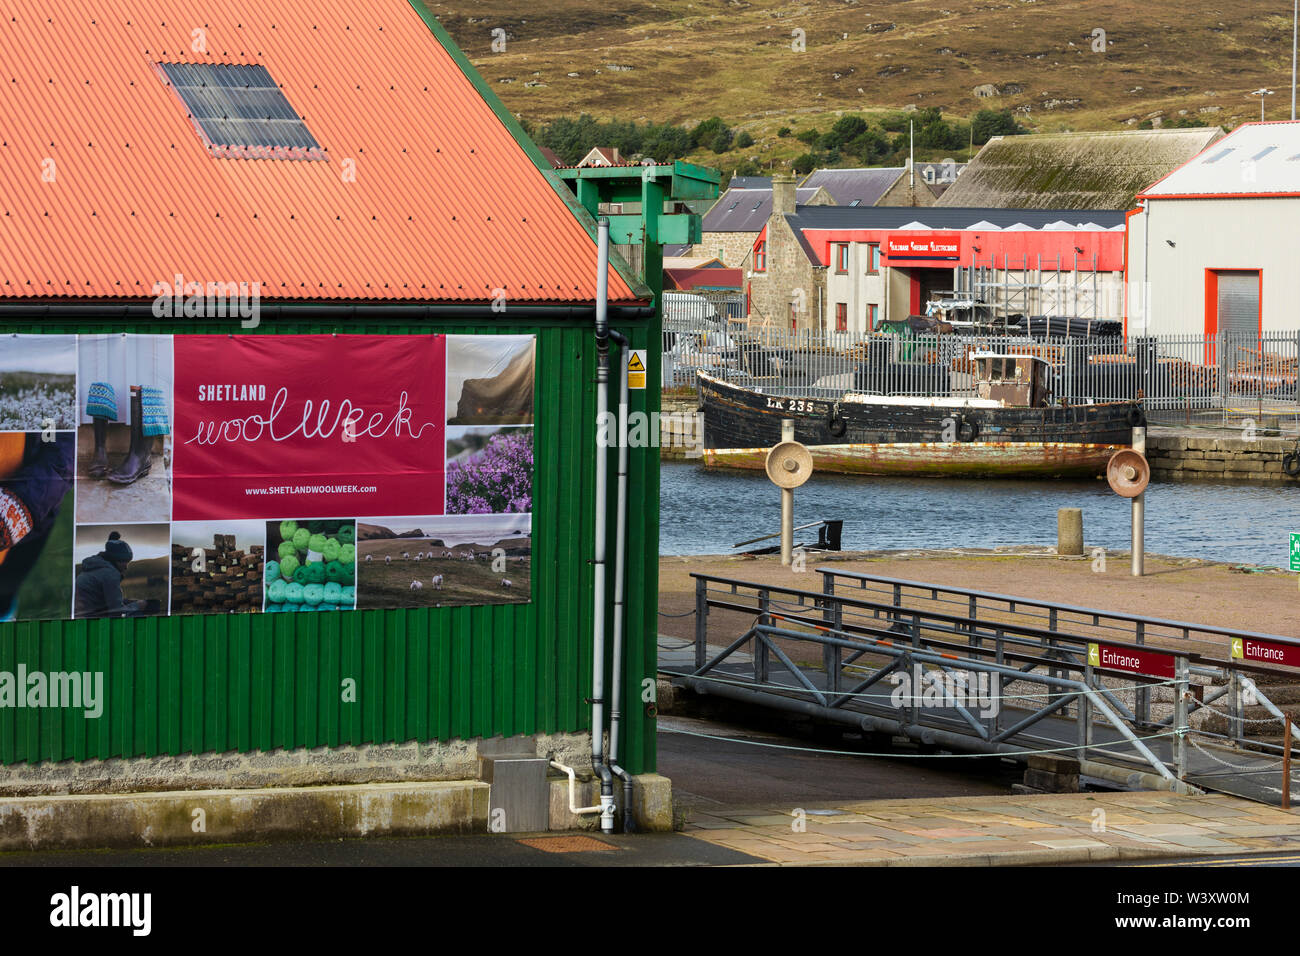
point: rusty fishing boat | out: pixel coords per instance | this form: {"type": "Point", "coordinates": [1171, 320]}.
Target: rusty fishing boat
{"type": "Point", "coordinates": [1009, 428]}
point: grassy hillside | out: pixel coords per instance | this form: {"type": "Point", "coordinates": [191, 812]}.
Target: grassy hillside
{"type": "Point", "coordinates": [679, 61]}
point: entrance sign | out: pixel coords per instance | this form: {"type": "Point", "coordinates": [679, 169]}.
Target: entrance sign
{"type": "Point", "coordinates": [1148, 663]}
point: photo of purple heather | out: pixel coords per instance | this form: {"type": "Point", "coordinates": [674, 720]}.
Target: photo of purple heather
{"type": "Point", "coordinates": [489, 471]}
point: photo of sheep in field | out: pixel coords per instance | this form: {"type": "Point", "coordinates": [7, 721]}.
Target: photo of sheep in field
{"type": "Point", "coordinates": [38, 383]}
{"type": "Point", "coordinates": [444, 561]}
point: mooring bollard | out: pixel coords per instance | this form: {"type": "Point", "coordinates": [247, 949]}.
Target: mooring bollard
{"type": "Point", "coordinates": [788, 466]}
{"type": "Point", "coordinates": [1128, 475]}
{"type": "Point", "coordinates": [1139, 510]}
{"type": "Point", "coordinates": [1069, 531]}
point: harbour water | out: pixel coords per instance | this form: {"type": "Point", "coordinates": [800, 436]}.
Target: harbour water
{"type": "Point", "coordinates": [707, 511]}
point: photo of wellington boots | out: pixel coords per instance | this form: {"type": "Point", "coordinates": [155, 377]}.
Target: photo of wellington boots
{"type": "Point", "coordinates": [99, 462]}
{"type": "Point", "coordinates": [136, 463]}
{"type": "Point", "coordinates": [101, 406]}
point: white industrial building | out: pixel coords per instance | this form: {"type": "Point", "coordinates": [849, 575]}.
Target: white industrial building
{"type": "Point", "coordinates": [1215, 245]}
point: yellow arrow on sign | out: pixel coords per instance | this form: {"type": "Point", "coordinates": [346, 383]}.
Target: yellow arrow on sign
{"type": "Point", "coordinates": [1094, 655]}
{"type": "Point", "coordinates": [1237, 651]}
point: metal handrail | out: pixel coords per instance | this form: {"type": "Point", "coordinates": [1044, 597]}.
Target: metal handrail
{"type": "Point", "coordinates": [954, 619]}
{"type": "Point", "coordinates": [841, 623]}
{"type": "Point", "coordinates": [1187, 627]}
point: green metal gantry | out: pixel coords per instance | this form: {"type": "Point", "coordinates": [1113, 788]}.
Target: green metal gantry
{"type": "Point", "coordinates": [652, 186]}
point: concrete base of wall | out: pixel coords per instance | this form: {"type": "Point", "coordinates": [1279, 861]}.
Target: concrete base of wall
{"type": "Point", "coordinates": [652, 803]}
{"type": "Point", "coordinates": [389, 763]}
{"type": "Point", "coordinates": [242, 816]}
{"type": "Point", "coordinates": [199, 817]}
{"type": "Point", "coordinates": [339, 793]}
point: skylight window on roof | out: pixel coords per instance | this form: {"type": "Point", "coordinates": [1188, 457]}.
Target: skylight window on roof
{"type": "Point", "coordinates": [240, 112]}
{"type": "Point", "coordinates": [1219, 155]}
{"type": "Point", "coordinates": [1264, 152]}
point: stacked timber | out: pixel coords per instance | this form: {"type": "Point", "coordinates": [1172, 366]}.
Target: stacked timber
{"type": "Point", "coordinates": [222, 579]}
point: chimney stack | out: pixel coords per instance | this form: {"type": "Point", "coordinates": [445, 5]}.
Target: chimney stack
{"type": "Point", "coordinates": [783, 194]}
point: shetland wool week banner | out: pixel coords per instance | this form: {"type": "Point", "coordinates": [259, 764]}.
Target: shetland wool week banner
{"type": "Point", "coordinates": [213, 474]}
{"type": "Point", "coordinates": [314, 426]}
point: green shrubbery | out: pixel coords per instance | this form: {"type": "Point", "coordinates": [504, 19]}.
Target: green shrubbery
{"type": "Point", "coordinates": [851, 140]}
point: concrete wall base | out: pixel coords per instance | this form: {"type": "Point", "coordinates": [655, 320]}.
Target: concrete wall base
{"type": "Point", "coordinates": [385, 763]}
{"type": "Point", "coordinates": [242, 816]}
{"type": "Point", "coordinates": [652, 803]}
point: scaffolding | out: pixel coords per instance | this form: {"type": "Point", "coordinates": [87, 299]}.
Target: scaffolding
{"type": "Point", "coordinates": [1006, 296]}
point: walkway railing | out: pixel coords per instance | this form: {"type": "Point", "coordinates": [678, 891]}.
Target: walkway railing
{"type": "Point", "coordinates": [1043, 685]}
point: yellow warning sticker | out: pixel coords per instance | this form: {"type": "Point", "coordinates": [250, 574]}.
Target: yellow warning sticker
{"type": "Point", "coordinates": [636, 369]}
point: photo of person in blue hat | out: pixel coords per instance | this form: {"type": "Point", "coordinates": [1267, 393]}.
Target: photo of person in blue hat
{"type": "Point", "coordinates": [121, 572]}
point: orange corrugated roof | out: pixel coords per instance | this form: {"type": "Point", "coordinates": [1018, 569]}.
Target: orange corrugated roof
{"type": "Point", "coordinates": [445, 203]}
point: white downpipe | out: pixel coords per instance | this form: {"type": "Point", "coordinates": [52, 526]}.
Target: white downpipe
{"type": "Point", "coordinates": [620, 576]}
{"type": "Point", "coordinates": [573, 786]}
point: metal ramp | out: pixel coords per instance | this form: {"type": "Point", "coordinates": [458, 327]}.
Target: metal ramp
{"type": "Point", "coordinates": [1140, 701]}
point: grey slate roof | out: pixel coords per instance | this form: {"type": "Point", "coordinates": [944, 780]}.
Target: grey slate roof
{"type": "Point", "coordinates": [746, 210]}
{"type": "Point", "coordinates": [848, 187]}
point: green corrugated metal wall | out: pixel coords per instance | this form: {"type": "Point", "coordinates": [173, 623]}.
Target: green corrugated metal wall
{"type": "Point", "coordinates": [243, 682]}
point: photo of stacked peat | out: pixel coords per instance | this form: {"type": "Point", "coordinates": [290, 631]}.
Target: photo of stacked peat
{"type": "Point", "coordinates": [312, 566]}
{"type": "Point", "coordinates": [227, 580]}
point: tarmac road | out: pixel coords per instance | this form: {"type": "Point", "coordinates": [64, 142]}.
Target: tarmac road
{"type": "Point", "coordinates": [707, 772]}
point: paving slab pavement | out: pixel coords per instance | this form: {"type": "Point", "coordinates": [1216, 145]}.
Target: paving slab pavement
{"type": "Point", "coordinates": [1019, 830]}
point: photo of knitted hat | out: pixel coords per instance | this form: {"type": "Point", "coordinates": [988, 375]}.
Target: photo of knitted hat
{"type": "Point", "coordinates": [154, 411]}
{"type": "Point", "coordinates": [118, 424]}
{"type": "Point", "coordinates": [101, 402]}
{"type": "Point", "coordinates": [117, 549]}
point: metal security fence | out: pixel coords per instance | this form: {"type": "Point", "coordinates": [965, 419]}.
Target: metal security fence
{"type": "Point", "coordinates": [1228, 380]}
{"type": "Point", "coordinates": [698, 330]}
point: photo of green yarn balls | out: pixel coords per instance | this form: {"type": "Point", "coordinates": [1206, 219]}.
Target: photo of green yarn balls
{"type": "Point", "coordinates": [316, 567]}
